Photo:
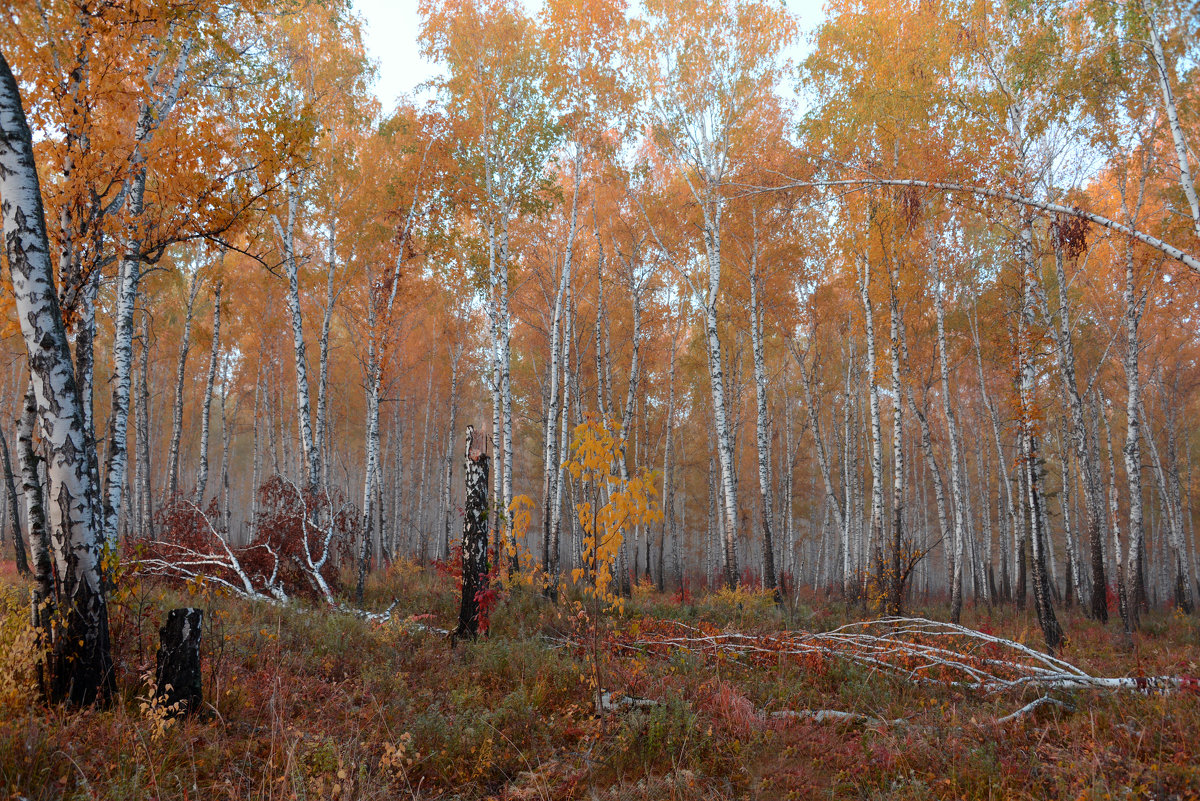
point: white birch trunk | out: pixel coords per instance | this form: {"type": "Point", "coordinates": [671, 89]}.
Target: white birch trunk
{"type": "Point", "coordinates": [81, 667]}
{"type": "Point", "coordinates": [214, 359]}
{"type": "Point", "coordinates": [180, 376]}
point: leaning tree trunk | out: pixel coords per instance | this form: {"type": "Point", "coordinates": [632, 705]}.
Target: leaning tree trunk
{"type": "Point", "coordinates": [81, 662]}
{"type": "Point", "coordinates": [475, 536]}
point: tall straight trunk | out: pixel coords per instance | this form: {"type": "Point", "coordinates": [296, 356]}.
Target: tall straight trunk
{"type": "Point", "coordinates": [320, 433]}
{"type": "Point", "coordinates": [256, 467]}
{"type": "Point", "coordinates": [497, 511]}
{"type": "Point", "coordinates": [81, 663]}
{"type": "Point", "coordinates": [150, 116]}
{"type": "Point", "coordinates": [1060, 331]}
{"type": "Point", "coordinates": [1008, 516]}
{"type": "Point", "coordinates": [214, 359]}
{"type": "Point", "coordinates": [899, 492]}
{"type": "Point", "coordinates": [371, 469]}
{"type": "Point", "coordinates": [814, 424]}
{"type": "Point", "coordinates": [285, 230]}
{"type": "Point", "coordinates": [713, 208]}
{"type": "Point", "coordinates": [506, 380]}
{"type": "Point", "coordinates": [423, 484]}
{"type": "Point", "coordinates": [569, 389]}
{"type": "Point", "coordinates": [770, 581]}
{"type": "Point", "coordinates": [1133, 451]}
{"type": "Point", "coordinates": [957, 490]}
{"type": "Point", "coordinates": [447, 489]}
{"type": "Point", "coordinates": [876, 527]}
{"type": "Point", "coordinates": [223, 503]}
{"type": "Point", "coordinates": [85, 373]}
{"type": "Point", "coordinates": [180, 376]}
{"type": "Point", "coordinates": [144, 487]}
{"type": "Point", "coordinates": [1180, 573]}
{"type": "Point", "coordinates": [14, 516]}
{"type": "Point", "coordinates": [1031, 462]}
{"type": "Point", "coordinates": [551, 459]}
{"type": "Point", "coordinates": [668, 476]}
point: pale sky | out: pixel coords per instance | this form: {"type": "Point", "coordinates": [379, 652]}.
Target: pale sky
{"type": "Point", "coordinates": [392, 28]}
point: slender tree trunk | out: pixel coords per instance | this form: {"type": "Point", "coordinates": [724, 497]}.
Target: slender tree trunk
{"type": "Point", "coordinates": [899, 491]}
{"type": "Point", "coordinates": [320, 433]}
{"type": "Point", "coordinates": [447, 490]}
{"type": "Point", "coordinates": [1133, 452]}
{"type": "Point", "coordinates": [876, 528]}
{"type": "Point", "coordinates": [13, 514]}
{"type": "Point", "coordinates": [214, 359]}
{"type": "Point", "coordinates": [1162, 72]}
{"type": "Point", "coordinates": [1035, 498]}
{"type": "Point", "coordinates": [957, 489]}
{"type": "Point", "coordinates": [770, 581]}
{"type": "Point", "coordinates": [145, 528]}
{"type": "Point", "coordinates": [286, 231]}
{"type": "Point", "coordinates": [180, 376]}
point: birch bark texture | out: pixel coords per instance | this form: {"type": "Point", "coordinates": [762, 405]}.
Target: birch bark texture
{"type": "Point", "coordinates": [475, 535]}
{"type": "Point", "coordinates": [81, 668]}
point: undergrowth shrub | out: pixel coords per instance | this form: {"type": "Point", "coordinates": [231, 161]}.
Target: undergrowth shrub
{"type": "Point", "coordinates": [18, 651]}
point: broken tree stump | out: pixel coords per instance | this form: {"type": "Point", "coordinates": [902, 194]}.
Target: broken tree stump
{"type": "Point", "coordinates": [177, 681]}
{"type": "Point", "coordinates": [475, 535]}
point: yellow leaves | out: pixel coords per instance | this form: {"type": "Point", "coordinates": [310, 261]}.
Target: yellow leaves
{"type": "Point", "coordinates": [610, 504]}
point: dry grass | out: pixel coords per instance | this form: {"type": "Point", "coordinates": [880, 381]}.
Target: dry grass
{"type": "Point", "coordinates": [306, 704]}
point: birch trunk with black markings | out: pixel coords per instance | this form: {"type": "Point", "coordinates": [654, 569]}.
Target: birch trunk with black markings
{"type": "Point", "coordinates": [80, 665]}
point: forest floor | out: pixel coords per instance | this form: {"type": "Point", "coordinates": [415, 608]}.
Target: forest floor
{"type": "Point", "coordinates": [313, 704]}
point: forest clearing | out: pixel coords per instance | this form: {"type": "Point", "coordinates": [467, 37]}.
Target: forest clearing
{"type": "Point", "coordinates": [683, 399]}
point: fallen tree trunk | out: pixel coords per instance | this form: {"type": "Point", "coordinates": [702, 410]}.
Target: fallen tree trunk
{"type": "Point", "coordinates": [911, 649]}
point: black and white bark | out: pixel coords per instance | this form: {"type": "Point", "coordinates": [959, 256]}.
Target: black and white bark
{"type": "Point", "coordinates": [285, 231]}
{"type": "Point", "coordinates": [81, 663]}
{"type": "Point", "coordinates": [475, 535]}
{"type": "Point", "coordinates": [150, 117]}
{"type": "Point", "coordinates": [957, 488]}
{"type": "Point", "coordinates": [14, 517]}
{"type": "Point", "coordinates": [185, 345]}
{"type": "Point", "coordinates": [762, 421]}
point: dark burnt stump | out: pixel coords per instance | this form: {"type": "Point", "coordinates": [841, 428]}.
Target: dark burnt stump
{"type": "Point", "coordinates": [475, 535]}
{"type": "Point", "coordinates": [177, 680]}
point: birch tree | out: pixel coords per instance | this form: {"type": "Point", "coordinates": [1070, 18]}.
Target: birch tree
{"type": "Point", "coordinates": [81, 668]}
